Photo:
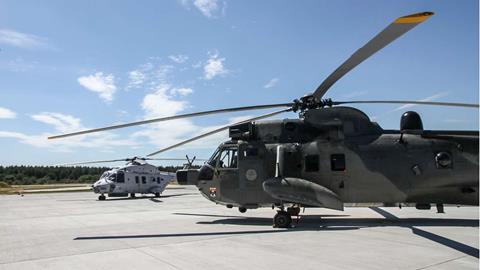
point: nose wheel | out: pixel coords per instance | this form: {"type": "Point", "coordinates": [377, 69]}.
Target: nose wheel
{"type": "Point", "coordinates": [101, 197]}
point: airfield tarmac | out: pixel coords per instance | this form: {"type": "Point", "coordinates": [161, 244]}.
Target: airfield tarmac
{"type": "Point", "coordinates": [182, 230]}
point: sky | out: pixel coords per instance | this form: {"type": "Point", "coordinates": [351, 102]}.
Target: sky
{"type": "Point", "coordinates": [71, 65]}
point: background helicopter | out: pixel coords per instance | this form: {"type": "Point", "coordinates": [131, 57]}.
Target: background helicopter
{"type": "Point", "coordinates": [334, 155]}
{"type": "Point", "coordinates": [136, 176]}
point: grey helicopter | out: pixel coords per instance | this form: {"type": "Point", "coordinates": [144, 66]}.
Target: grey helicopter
{"type": "Point", "coordinates": [332, 155]}
{"type": "Point", "coordinates": [136, 176]}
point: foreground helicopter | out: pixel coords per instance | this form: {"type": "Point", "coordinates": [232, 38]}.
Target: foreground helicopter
{"type": "Point", "coordinates": [136, 176]}
{"type": "Point", "coordinates": [334, 155]}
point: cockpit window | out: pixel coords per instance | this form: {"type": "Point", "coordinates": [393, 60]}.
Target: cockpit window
{"type": "Point", "coordinates": [112, 177]}
{"type": "Point", "coordinates": [228, 158]}
{"type": "Point", "coordinates": [213, 160]}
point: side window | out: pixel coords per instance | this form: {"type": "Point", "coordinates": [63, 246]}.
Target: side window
{"type": "Point", "coordinates": [337, 162]}
{"type": "Point", "coordinates": [144, 180]}
{"type": "Point", "coordinates": [312, 163]}
{"type": "Point", "coordinates": [137, 179]}
{"type": "Point", "coordinates": [120, 177]}
{"type": "Point", "coordinates": [158, 180]}
{"type": "Point", "coordinates": [152, 179]}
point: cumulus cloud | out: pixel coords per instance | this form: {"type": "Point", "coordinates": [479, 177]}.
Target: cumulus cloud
{"type": "Point", "coordinates": [179, 58]}
{"type": "Point", "coordinates": [7, 113]}
{"type": "Point", "coordinates": [99, 83]}
{"type": "Point", "coordinates": [271, 83]}
{"type": "Point", "coordinates": [22, 40]}
{"type": "Point", "coordinates": [214, 67]}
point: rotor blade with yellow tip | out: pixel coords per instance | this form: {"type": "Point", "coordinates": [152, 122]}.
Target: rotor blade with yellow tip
{"type": "Point", "coordinates": [399, 27]}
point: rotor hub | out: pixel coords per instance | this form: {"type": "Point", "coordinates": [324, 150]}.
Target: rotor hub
{"type": "Point", "coordinates": [310, 102]}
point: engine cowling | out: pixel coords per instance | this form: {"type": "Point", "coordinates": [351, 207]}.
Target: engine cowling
{"type": "Point", "coordinates": [411, 121]}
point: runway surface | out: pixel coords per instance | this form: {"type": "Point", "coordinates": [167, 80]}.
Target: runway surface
{"type": "Point", "coordinates": [182, 230]}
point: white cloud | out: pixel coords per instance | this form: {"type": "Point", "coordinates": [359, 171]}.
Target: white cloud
{"type": "Point", "coordinates": [7, 114]}
{"type": "Point", "coordinates": [104, 85]}
{"type": "Point", "coordinates": [207, 7]}
{"type": "Point", "coordinates": [214, 67]}
{"type": "Point", "coordinates": [430, 98]}
{"type": "Point", "coordinates": [271, 83]}
{"type": "Point", "coordinates": [22, 40]}
{"type": "Point", "coordinates": [62, 123]}
{"type": "Point", "coordinates": [160, 104]}
{"type": "Point", "coordinates": [181, 91]}
{"type": "Point", "coordinates": [149, 76]}
{"type": "Point", "coordinates": [179, 58]}
{"type": "Point", "coordinates": [136, 78]}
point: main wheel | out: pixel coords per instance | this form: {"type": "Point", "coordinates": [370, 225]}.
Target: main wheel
{"type": "Point", "coordinates": [132, 195]}
{"type": "Point", "coordinates": [157, 194]}
{"type": "Point", "coordinates": [101, 197]}
{"type": "Point", "coordinates": [282, 220]}
{"type": "Point", "coordinates": [242, 209]}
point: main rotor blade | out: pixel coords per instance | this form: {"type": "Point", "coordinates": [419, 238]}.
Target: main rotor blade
{"type": "Point", "coordinates": [389, 34]}
{"type": "Point", "coordinates": [218, 130]}
{"type": "Point", "coordinates": [235, 109]}
{"type": "Point", "coordinates": [123, 159]}
{"type": "Point", "coordinates": [92, 162]}
{"type": "Point", "coordinates": [181, 159]}
{"type": "Point", "coordinates": [468, 105]}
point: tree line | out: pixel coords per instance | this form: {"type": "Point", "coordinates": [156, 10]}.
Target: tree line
{"type": "Point", "coordinates": [28, 175]}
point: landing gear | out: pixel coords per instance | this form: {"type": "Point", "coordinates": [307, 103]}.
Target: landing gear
{"type": "Point", "coordinates": [282, 219]}
{"type": "Point", "coordinates": [242, 209]}
{"type": "Point", "coordinates": [132, 195]}
{"type": "Point", "coordinates": [101, 197]}
{"type": "Point", "coordinates": [440, 209]}
{"type": "Point", "coordinates": [293, 211]}
{"type": "Point", "coordinates": [157, 194]}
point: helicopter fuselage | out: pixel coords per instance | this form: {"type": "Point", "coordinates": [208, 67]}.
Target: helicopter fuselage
{"type": "Point", "coordinates": [333, 156]}
{"type": "Point", "coordinates": [132, 178]}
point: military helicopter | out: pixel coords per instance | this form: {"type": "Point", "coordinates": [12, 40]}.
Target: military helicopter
{"type": "Point", "coordinates": [136, 176]}
{"type": "Point", "coordinates": [332, 155]}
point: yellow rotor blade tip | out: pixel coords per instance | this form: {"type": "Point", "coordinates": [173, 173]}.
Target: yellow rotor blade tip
{"type": "Point", "coordinates": [414, 18]}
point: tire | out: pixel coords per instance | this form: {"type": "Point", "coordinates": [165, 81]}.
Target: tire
{"type": "Point", "coordinates": [157, 194]}
{"type": "Point", "coordinates": [132, 195]}
{"type": "Point", "coordinates": [282, 220]}
{"type": "Point", "coordinates": [101, 198]}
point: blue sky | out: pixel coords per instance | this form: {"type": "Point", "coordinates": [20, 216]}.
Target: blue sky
{"type": "Point", "coordinates": [71, 65]}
